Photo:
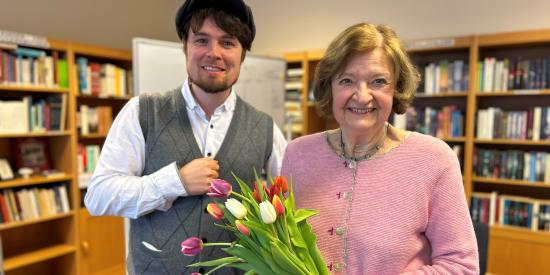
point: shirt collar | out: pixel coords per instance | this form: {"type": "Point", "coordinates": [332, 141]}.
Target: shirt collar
{"type": "Point", "coordinates": [228, 104]}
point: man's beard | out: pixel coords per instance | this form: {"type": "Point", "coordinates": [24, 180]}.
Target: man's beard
{"type": "Point", "coordinates": [212, 87]}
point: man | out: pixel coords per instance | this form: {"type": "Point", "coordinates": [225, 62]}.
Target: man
{"type": "Point", "coordinates": [164, 149]}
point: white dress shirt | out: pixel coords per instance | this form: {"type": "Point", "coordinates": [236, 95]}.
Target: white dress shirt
{"type": "Point", "coordinates": [117, 186]}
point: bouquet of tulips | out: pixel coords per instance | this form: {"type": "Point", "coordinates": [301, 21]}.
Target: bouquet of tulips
{"type": "Point", "coordinates": [272, 236]}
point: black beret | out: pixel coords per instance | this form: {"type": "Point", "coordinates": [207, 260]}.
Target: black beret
{"type": "Point", "coordinates": [236, 8]}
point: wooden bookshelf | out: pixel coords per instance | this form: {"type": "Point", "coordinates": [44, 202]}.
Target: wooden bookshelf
{"type": "Point", "coordinates": [101, 239]}
{"type": "Point", "coordinates": [48, 242]}
{"type": "Point", "coordinates": [529, 249]}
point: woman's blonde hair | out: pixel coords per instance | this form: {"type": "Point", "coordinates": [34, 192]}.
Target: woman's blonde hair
{"type": "Point", "coordinates": [358, 39]}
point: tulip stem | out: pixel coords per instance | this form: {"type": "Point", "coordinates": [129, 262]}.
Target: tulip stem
{"type": "Point", "coordinates": [242, 197]}
{"type": "Point", "coordinates": [216, 244]}
{"type": "Point", "coordinates": [216, 268]}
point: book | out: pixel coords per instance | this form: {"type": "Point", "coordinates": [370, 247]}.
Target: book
{"type": "Point", "coordinates": [32, 152]}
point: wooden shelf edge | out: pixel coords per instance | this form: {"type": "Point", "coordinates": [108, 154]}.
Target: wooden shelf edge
{"type": "Point", "coordinates": [35, 180]}
{"type": "Point", "coordinates": [34, 89]}
{"type": "Point", "coordinates": [511, 182]}
{"type": "Point", "coordinates": [520, 234]}
{"type": "Point", "coordinates": [36, 256]}
{"type": "Point", "coordinates": [514, 93]}
{"type": "Point", "coordinates": [36, 134]}
{"type": "Point", "coordinates": [11, 225]}
{"type": "Point", "coordinates": [512, 142]}
{"type": "Point", "coordinates": [446, 94]}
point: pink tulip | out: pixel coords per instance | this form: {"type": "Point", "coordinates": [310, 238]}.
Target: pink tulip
{"type": "Point", "coordinates": [278, 205]}
{"type": "Point", "coordinates": [195, 273]}
{"type": "Point", "coordinates": [219, 189]}
{"type": "Point", "coordinates": [214, 211]}
{"type": "Point", "coordinates": [191, 246]}
{"type": "Point", "coordinates": [242, 228]}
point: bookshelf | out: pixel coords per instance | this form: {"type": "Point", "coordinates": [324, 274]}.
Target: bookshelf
{"type": "Point", "coordinates": [513, 249]}
{"type": "Point", "coordinates": [100, 97]}
{"type": "Point", "coordinates": [39, 234]}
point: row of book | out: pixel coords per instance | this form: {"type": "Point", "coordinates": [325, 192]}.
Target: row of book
{"type": "Point", "coordinates": [293, 100]}
{"type": "Point", "coordinates": [33, 114]}
{"type": "Point", "coordinates": [33, 67]}
{"type": "Point", "coordinates": [530, 124]}
{"type": "Point", "coordinates": [103, 80]}
{"type": "Point", "coordinates": [502, 75]}
{"type": "Point", "coordinates": [531, 166]}
{"type": "Point", "coordinates": [444, 76]}
{"type": "Point", "coordinates": [94, 120]}
{"type": "Point", "coordinates": [87, 158]}
{"type": "Point", "coordinates": [494, 209]}
{"type": "Point", "coordinates": [27, 204]}
{"type": "Point", "coordinates": [444, 122]}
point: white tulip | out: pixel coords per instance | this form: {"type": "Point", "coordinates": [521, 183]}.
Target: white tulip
{"type": "Point", "coordinates": [268, 212]}
{"type": "Point", "coordinates": [236, 208]}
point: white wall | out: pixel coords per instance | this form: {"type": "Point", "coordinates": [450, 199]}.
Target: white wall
{"type": "Point", "coordinates": [283, 25]}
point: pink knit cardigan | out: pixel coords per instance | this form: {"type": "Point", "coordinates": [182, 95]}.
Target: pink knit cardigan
{"type": "Point", "coordinates": [408, 212]}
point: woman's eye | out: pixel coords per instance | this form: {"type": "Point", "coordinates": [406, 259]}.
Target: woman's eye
{"type": "Point", "coordinates": [345, 81]}
{"type": "Point", "coordinates": [379, 82]}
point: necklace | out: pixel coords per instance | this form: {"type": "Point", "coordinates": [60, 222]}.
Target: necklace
{"type": "Point", "coordinates": [351, 160]}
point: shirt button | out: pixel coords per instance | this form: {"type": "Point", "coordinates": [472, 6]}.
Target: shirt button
{"type": "Point", "coordinates": [340, 231]}
{"type": "Point", "coordinates": [209, 154]}
{"type": "Point", "coordinates": [211, 126]}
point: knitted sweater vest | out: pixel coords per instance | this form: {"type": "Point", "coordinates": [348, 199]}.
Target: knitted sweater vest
{"type": "Point", "coordinates": [168, 138]}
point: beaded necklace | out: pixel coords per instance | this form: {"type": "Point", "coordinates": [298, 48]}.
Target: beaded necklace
{"type": "Point", "coordinates": [352, 160]}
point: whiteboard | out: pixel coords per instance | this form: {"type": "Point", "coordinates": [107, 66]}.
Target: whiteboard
{"type": "Point", "coordinates": [159, 66]}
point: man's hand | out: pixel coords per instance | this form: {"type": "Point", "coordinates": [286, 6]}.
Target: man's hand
{"type": "Point", "coordinates": [198, 173]}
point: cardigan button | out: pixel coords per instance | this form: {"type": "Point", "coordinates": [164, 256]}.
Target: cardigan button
{"type": "Point", "coordinates": [339, 267]}
{"type": "Point", "coordinates": [340, 231]}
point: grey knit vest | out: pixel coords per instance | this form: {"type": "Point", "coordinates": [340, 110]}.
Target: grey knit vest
{"type": "Point", "coordinates": [168, 138]}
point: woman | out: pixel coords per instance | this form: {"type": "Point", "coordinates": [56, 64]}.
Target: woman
{"type": "Point", "coordinates": [389, 201]}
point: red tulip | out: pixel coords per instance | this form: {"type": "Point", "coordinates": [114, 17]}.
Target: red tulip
{"type": "Point", "coordinates": [256, 194]}
{"type": "Point", "coordinates": [191, 246]}
{"type": "Point", "coordinates": [219, 189]}
{"type": "Point", "coordinates": [278, 205]}
{"type": "Point", "coordinates": [281, 182]}
{"type": "Point", "coordinates": [242, 228]}
{"type": "Point", "coordinates": [275, 190]}
{"type": "Point", "coordinates": [214, 211]}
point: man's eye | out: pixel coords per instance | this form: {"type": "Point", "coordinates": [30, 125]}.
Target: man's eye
{"type": "Point", "coordinates": [201, 41]}
{"type": "Point", "coordinates": [228, 44]}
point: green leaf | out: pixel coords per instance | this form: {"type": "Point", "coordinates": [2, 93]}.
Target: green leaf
{"type": "Point", "coordinates": [216, 262]}
{"type": "Point", "coordinates": [284, 258]}
{"type": "Point", "coordinates": [242, 266]}
{"type": "Point", "coordinates": [290, 203]}
{"type": "Point", "coordinates": [302, 214]}
{"type": "Point", "coordinates": [250, 272]}
{"type": "Point", "coordinates": [311, 241]}
{"type": "Point", "coordinates": [251, 257]}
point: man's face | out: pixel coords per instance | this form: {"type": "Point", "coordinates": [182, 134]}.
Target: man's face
{"type": "Point", "coordinates": [213, 58]}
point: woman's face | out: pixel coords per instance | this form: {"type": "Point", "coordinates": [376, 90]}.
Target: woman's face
{"type": "Point", "coordinates": [363, 93]}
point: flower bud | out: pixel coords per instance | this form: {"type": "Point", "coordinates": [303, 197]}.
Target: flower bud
{"type": "Point", "coordinates": [267, 212]}
{"type": "Point", "coordinates": [219, 189]}
{"type": "Point", "coordinates": [236, 208]}
{"type": "Point", "coordinates": [278, 205]}
{"type": "Point", "coordinates": [242, 228]}
{"type": "Point", "coordinates": [214, 211]}
{"type": "Point", "coordinates": [281, 182]}
{"type": "Point", "coordinates": [191, 246]}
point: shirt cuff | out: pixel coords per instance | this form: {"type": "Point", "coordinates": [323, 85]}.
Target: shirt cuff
{"type": "Point", "coordinates": [169, 183]}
